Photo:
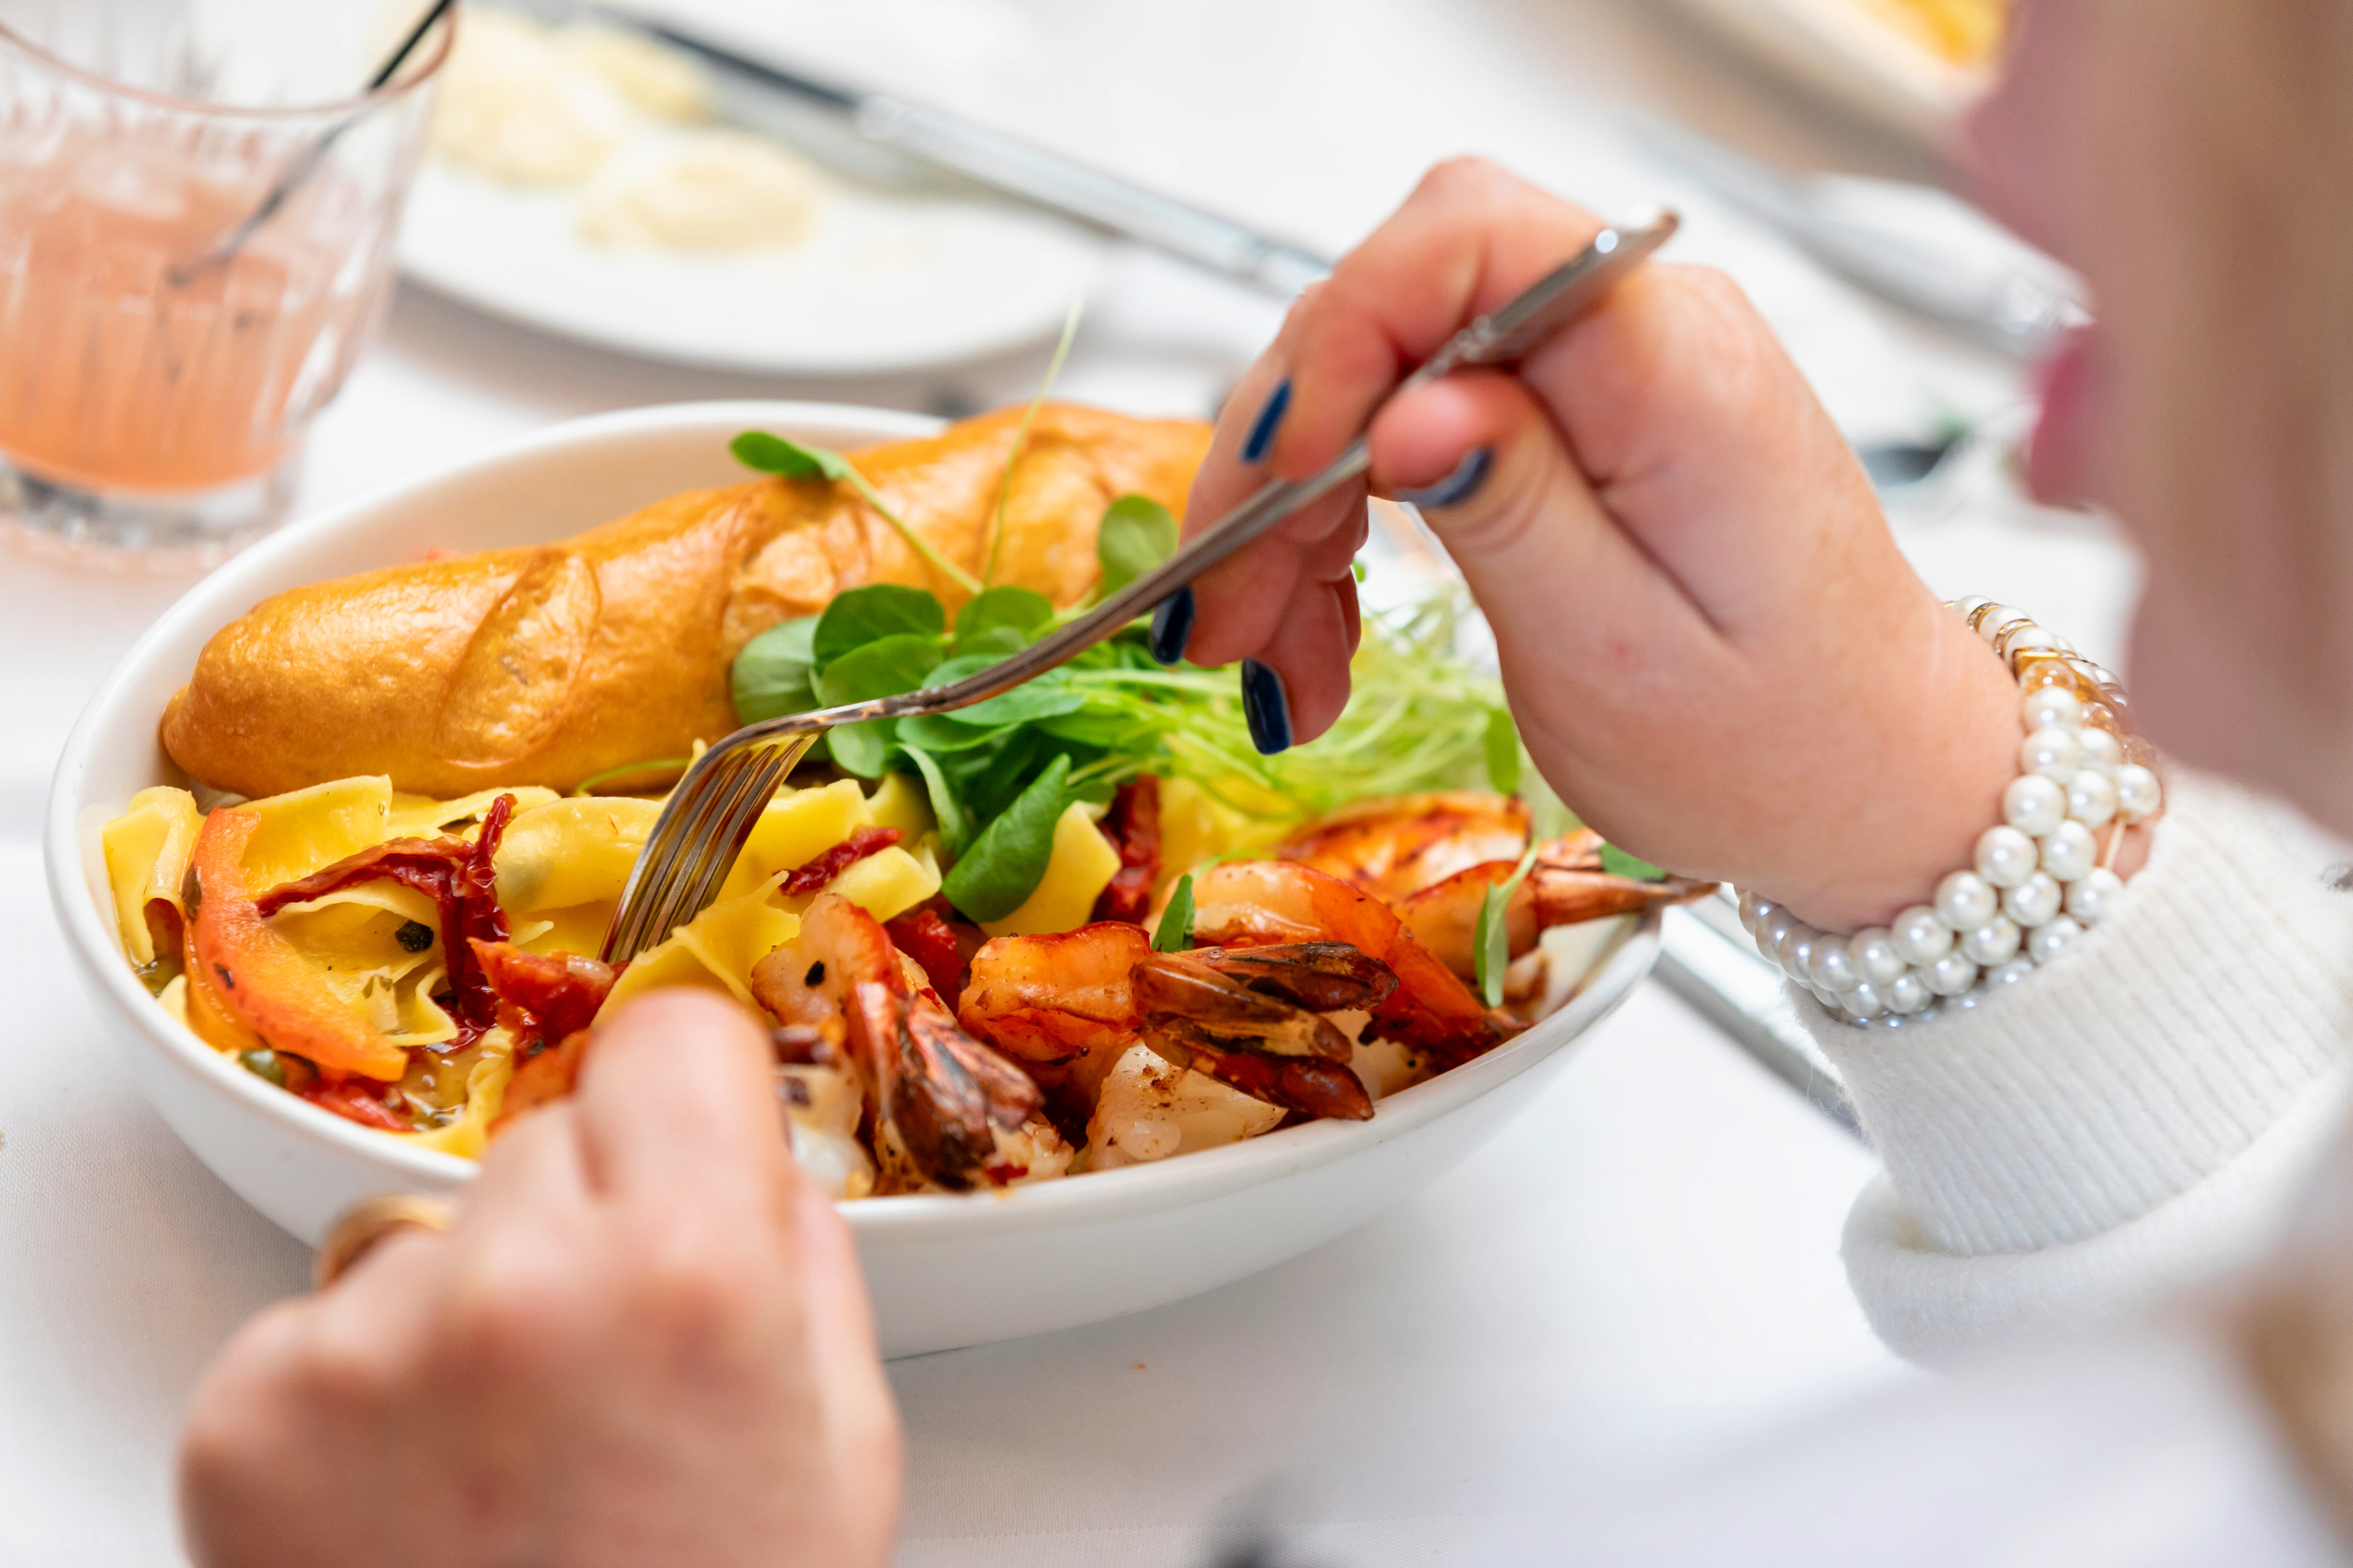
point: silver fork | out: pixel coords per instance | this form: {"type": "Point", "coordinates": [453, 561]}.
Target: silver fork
{"type": "Point", "coordinates": [709, 816]}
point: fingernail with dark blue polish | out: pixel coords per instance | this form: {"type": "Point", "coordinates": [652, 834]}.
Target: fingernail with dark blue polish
{"type": "Point", "coordinates": [1267, 706]}
{"type": "Point", "coordinates": [1172, 626]}
{"type": "Point", "coordinates": [1269, 420]}
{"type": "Point", "coordinates": [1457, 487]}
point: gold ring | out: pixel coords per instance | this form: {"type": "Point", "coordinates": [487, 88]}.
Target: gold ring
{"type": "Point", "coordinates": [358, 1228]}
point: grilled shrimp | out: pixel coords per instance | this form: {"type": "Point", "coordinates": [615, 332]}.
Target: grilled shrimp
{"type": "Point", "coordinates": [1197, 1016]}
{"type": "Point", "coordinates": [1396, 847]}
{"type": "Point", "coordinates": [1150, 1109]}
{"type": "Point", "coordinates": [1257, 903]}
{"type": "Point", "coordinates": [1564, 885]}
{"type": "Point", "coordinates": [823, 1106]}
{"type": "Point", "coordinates": [947, 1110]}
{"type": "Point", "coordinates": [1070, 1006]}
{"type": "Point", "coordinates": [1059, 1005]}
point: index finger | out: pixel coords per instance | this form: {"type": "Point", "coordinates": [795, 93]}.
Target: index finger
{"type": "Point", "coordinates": [1468, 240]}
{"type": "Point", "coordinates": [678, 1109]}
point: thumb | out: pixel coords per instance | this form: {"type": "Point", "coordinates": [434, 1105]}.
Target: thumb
{"type": "Point", "coordinates": [1563, 584]}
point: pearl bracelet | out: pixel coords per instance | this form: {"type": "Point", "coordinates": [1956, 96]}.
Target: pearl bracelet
{"type": "Point", "coordinates": [2038, 880]}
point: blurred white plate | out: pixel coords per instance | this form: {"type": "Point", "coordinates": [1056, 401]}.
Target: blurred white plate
{"type": "Point", "coordinates": [884, 284]}
{"type": "Point", "coordinates": [1841, 51]}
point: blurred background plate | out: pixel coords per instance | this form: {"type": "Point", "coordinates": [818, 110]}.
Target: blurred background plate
{"type": "Point", "coordinates": [1862, 54]}
{"type": "Point", "coordinates": [884, 284]}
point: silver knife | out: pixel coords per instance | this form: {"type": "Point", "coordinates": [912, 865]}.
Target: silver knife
{"type": "Point", "coordinates": [1016, 168]}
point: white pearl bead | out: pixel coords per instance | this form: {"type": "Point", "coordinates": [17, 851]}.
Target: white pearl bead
{"type": "Point", "coordinates": [2069, 850]}
{"type": "Point", "coordinates": [2138, 794]}
{"type": "Point", "coordinates": [1771, 930]}
{"type": "Point", "coordinates": [2055, 753]}
{"type": "Point", "coordinates": [1794, 950]}
{"type": "Point", "coordinates": [1831, 969]}
{"type": "Point", "coordinates": [2049, 941]}
{"type": "Point", "coordinates": [2052, 708]}
{"type": "Point", "coordinates": [2091, 798]}
{"type": "Point", "coordinates": [2005, 857]}
{"type": "Point", "coordinates": [1951, 974]}
{"type": "Point", "coordinates": [1863, 1002]}
{"type": "Point", "coordinates": [2034, 901]}
{"type": "Point", "coordinates": [2011, 973]}
{"type": "Point", "coordinates": [1994, 942]}
{"type": "Point", "coordinates": [1908, 994]}
{"type": "Point", "coordinates": [1962, 608]}
{"type": "Point", "coordinates": [1990, 624]}
{"type": "Point", "coordinates": [1752, 909]}
{"type": "Point", "coordinates": [2103, 752]}
{"type": "Point", "coordinates": [1921, 937]}
{"type": "Point", "coordinates": [2018, 636]}
{"type": "Point", "coordinates": [2094, 895]}
{"type": "Point", "coordinates": [1826, 996]}
{"type": "Point", "coordinates": [2034, 805]}
{"type": "Point", "coordinates": [1876, 957]}
{"type": "Point", "coordinates": [1965, 900]}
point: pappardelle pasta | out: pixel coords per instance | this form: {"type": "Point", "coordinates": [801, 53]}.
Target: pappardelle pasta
{"type": "Point", "coordinates": [417, 966]}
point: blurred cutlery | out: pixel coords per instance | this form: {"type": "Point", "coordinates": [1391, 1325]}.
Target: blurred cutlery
{"type": "Point", "coordinates": [1916, 246]}
{"type": "Point", "coordinates": [1016, 168]}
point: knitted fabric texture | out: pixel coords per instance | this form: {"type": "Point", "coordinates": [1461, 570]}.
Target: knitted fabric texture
{"type": "Point", "coordinates": [2214, 1002]}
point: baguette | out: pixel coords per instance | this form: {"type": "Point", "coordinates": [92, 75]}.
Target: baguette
{"type": "Point", "coordinates": [550, 665]}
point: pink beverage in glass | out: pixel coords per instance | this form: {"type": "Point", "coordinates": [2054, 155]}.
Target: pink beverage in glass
{"type": "Point", "coordinates": [154, 386]}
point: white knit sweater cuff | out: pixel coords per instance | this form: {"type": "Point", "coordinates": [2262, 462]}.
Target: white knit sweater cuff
{"type": "Point", "coordinates": [2157, 1049]}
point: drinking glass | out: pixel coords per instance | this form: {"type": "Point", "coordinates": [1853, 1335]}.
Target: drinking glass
{"type": "Point", "coordinates": [156, 380]}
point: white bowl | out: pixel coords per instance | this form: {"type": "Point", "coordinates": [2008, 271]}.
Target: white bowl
{"type": "Point", "coordinates": [945, 1270]}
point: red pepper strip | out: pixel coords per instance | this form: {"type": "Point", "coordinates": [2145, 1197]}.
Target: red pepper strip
{"type": "Point", "coordinates": [250, 986]}
{"type": "Point", "coordinates": [816, 873]}
{"type": "Point", "coordinates": [552, 996]}
{"type": "Point", "coordinates": [923, 936]}
{"type": "Point", "coordinates": [462, 882]}
{"type": "Point", "coordinates": [1132, 825]}
{"type": "Point", "coordinates": [351, 1099]}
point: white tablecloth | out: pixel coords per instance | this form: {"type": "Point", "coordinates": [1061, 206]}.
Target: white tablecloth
{"type": "Point", "coordinates": [1642, 1266]}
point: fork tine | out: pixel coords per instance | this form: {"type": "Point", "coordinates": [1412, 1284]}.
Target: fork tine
{"type": "Point", "coordinates": [697, 840]}
{"type": "Point", "coordinates": [652, 877]}
{"type": "Point", "coordinates": [707, 817]}
{"type": "Point", "coordinates": [734, 811]}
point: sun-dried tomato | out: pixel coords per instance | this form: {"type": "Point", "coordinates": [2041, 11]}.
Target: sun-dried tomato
{"type": "Point", "coordinates": [931, 942]}
{"type": "Point", "coordinates": [543, 997]}
{"type": "Point", "coordinates": [1132, 826]}
{"type": "Point", "coordinates": [825, 868]}
{"type": "Point", "coordinates": [463, 884]}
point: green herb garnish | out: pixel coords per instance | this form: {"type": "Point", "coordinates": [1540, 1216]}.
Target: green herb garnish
{"type": "Point", "coordinates": [1618, 863]}
{"type": "Point", "coordinates": [1138, 534]}
{"type": "Point", "coordinates": [1502, 752]}
{"type": "Point", "coordinates": [774, 674]}
{"type": "Point", "coordinates": [1174, 933]}
{"type": "Point", "coordinates": [1421, 717]}
{"type": "Point", "coordinates": [1008, 859]}
{"type": "Point", "coordinates": [1492, 939]}
{"type": "Point", "coordinates": [1021, 437]}
{"type": "Point", "coordinates": [796, 461]}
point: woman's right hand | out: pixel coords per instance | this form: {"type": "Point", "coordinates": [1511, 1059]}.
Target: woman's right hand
{"type": "Point", "coordinates": [645, 1341]}
{"type": "Point", "coordinates": [1714, 648]}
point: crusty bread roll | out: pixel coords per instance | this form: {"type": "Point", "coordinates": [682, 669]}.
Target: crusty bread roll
{"type": "Point", "coordinates": [547, 665]}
